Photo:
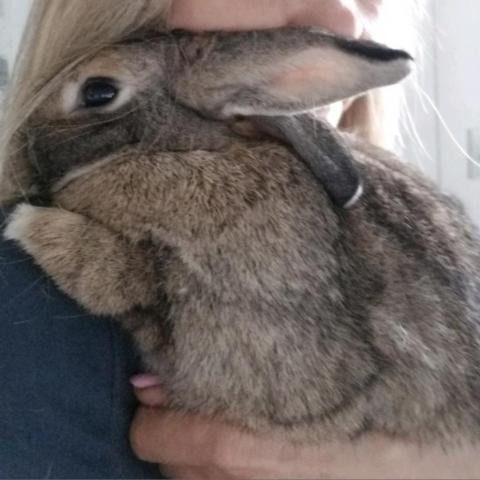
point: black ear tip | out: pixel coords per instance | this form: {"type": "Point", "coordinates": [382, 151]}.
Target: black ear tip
{"type": "Point", "coordinates": [371, 50]}
{"type": "Point", "coordinates": [403, 55]}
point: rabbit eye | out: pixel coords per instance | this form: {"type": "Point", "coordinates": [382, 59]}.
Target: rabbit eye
{"type": "Point", "coordinates": [99, 92]}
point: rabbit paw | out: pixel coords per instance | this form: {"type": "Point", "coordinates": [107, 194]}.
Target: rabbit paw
{"type": "Point", "coordinates": [20, 224]}
{"type": "Point", "coordinates": [91, 264]}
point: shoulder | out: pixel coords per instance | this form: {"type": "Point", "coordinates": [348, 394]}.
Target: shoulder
{"type": "Point", "coordinates": [65, 405]}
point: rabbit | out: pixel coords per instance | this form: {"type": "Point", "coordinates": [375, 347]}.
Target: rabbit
{"type": "Point", "coordinates": [253, 294]}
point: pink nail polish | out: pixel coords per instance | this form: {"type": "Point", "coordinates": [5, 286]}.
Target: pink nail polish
{"type": "Point", "coordinates": [145, 380]}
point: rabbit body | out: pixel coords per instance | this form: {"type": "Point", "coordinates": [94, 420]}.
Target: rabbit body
{"type": "Point", "coordinates": [257, 300]}
{"type": "Point", "coordinates": [254, 298]}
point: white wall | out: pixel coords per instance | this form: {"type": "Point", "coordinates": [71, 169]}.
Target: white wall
{"type": "Point", "coordinates": [449, 74]}
{"type": "Point", "coordinates": [420, 131]}
{"type": "Point", "coordinates": [458, 95]}
{"type": "Point", "coordinates": [12, 19]}
{"type": "Point", "coordinates": [13, 14]}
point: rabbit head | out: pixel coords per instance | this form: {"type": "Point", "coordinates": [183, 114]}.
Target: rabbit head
{"type": "Point", "coordinates": [177, 91]}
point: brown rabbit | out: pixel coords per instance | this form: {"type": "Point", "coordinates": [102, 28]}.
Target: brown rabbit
{"type": "Point", "coordinates": [247, 289]}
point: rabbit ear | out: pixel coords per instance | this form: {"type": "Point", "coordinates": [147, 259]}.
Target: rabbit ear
{"type": "Point", "coordinates": [322, 149]}
{"type": "Point", "coordinates": [284, 71]}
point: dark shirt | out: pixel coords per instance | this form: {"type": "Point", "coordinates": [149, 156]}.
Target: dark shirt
{"type": "Point", "coordinates": [65, 400]}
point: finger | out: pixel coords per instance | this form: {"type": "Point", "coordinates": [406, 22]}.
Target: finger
{"type": "Point", "coordinates": [145, 380]}
{"type": "Point", "coordinates": [170, 438]}
{"type": "Point", "coordinates": [187, 473]}
{"type": "Point", "coordinates": [151, 397]}
{"type": "Point", "coordinates": [174, 439]}
{"type": "Point", "coordinates": [177, 440]}
{"type": "Point", "coordinates": [197, 473]}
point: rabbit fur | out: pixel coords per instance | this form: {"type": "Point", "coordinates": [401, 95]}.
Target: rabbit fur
{"type": "Point", "coordinates": [250, 294]}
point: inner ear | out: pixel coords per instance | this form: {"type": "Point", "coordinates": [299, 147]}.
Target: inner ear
{"type": "Point", "coordinates": [310, 79]}
{"type": "Point", "coordinates": [305, 71]}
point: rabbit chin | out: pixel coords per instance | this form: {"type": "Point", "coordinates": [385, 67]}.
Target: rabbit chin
{"type": "Point", "coordinates": [80, 171]}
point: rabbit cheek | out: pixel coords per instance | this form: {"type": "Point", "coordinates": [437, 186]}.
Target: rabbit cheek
{"type": "Point", "coordinates": [55, 155]}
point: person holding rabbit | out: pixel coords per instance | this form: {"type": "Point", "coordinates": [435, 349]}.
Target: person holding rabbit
{"type": "Point", "coordinates": [190, 447]}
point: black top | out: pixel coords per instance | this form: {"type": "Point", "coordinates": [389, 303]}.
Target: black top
{"type": "Point", "coordinates": [65, 400]}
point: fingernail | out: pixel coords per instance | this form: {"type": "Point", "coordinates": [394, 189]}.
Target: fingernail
{"type": "Point", "coordinates": [145, 380]}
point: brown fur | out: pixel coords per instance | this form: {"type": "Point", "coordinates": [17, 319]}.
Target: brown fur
{"type": "Point", "coordinates": [257, 300]}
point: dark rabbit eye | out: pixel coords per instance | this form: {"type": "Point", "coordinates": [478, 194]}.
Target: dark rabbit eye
{"type": "Point", "coordinates": [99, 92]}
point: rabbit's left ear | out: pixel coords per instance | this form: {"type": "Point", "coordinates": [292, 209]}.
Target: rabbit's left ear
{"type": "Point", "coordinates": [281, 71]}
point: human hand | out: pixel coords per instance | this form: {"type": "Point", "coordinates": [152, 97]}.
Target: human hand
{"type": "Point", "coordinates": [196, 448]}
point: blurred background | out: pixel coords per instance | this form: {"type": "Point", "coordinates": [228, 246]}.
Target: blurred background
{"type": "Point", "coordinates": [442, 124]}
{"type": "Point", "coordinates": [439, 141]}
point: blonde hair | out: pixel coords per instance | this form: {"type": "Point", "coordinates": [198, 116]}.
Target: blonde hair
{"type": "Point", "coordinates": [377, 115]}
{"type": "Point", "coordinates": [60, 32]}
